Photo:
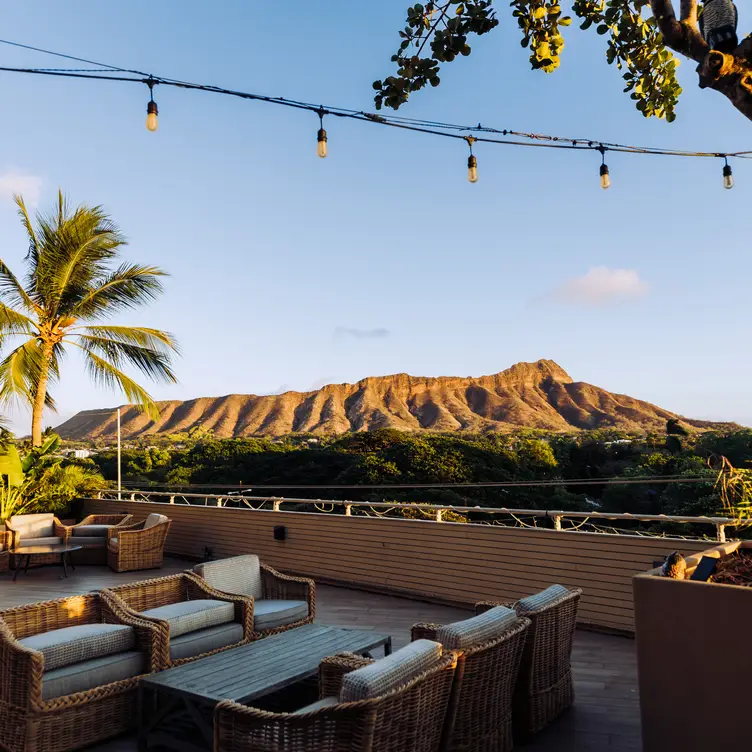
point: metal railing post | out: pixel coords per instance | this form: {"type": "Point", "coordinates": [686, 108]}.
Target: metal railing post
{"type": "Point", "coordinates": [439, 515]}
{"type": "Point", "coordinates": [557, 521]}
{"type": "Point", "coordinates": [348, 510]}
{"type": "Point", "coordinates": [721, 533]}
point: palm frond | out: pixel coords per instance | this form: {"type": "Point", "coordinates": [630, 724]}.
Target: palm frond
{"type": "Point", "coordinates": [19, 372]}
{"type": "Point", "coordinates": [13, 291]}
{"type": "Point", "coordinates": [14, 322]}
{"type": "Point", "coordinates": [128, 287]}
{"type": "Point", "coordinates": [151, 362]}
{"type": "Point", "coordinates": [32, 255]}
{"type": "Point", "coordinates": [108, 375]}
{"type": "Point", "coordinates": [144, 336]}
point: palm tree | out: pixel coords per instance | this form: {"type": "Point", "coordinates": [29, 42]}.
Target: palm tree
{"type": "Point", "coordinates": [69, 293]}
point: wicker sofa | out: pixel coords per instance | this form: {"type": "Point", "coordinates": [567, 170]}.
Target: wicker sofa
{"type": "Point", "coordinates": [194, 619]}
{"type": "Point", "coordinates": [91, 535]}
{"type": "Point", "coordinates": [396, 704]}
{"type": "Point", "coordinates": [36, 530]}
{"type": "Point", "coordinates": [491, 644]}
{"type": "Point", "coordinates": [137, 546]}
{"type": "Point", "coordinates": [544, 685]}
{"type": "Point", "coordinates": [280, 602]}
{"type": "Point", "coordinates": [69, 672]}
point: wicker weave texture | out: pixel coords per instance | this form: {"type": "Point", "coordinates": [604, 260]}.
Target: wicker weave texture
{"type": "Point", "coordinates": [408, 719]}
{"type": "Point", "coordinates": [30, 724]}
{"type": "Point", "coordinates": [137, 548]}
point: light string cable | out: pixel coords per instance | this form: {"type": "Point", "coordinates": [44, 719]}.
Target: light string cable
{"type": "Point", "coordinates": [481, 134]}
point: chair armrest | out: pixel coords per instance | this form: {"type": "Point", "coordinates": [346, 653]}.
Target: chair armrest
{"type": "Point", "coordinates": [63, 532]}
{"type": "Point", "coordinates": [482, 606]}
{"type": "Point", "coordinates": [333, 668]}
{"type": "Point", "coordinates": [113, 532]}
{"type": "Point", "coordinates": [197, 587]}
{"type": "Point", "coordinates": [152, 635]}
{"type": "Point", "coordinates": [14, 535]}
{"type": "Point", "coordinates": [422, 631]}
{"type": "Point", "coordinates": [21, 671]}
{"type": "Point", "coordinates": [284, 587]}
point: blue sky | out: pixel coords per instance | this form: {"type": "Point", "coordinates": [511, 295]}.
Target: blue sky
{"type": "Point", "coordinates": [283, 263]}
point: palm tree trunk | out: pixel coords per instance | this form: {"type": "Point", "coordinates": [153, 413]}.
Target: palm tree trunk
{"type": "Point", "coordinates": [40, 395]}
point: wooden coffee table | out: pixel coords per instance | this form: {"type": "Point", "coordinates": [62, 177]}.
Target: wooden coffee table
{"type": "Point", "coordinates": [64, 549]}
{"type": "Point", "coordinates": [176, 706]}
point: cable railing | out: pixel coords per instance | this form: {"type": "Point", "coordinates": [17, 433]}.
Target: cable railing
{"type": "Point", "coordinates": [561, 520]}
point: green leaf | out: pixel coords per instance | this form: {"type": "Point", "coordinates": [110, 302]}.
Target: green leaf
{"type": "Point", "coordinates": [602, 29]}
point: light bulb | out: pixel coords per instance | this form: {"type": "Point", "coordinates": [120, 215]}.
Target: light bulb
{"type": "Point", "coordinates": [151, 116]}
{"type": "Point", "coordinates": [728, 178]}
{"type": "Point", "coordinates": [472, 169]}
{"type": "Point", "coordinates": [321, 149]}
{"type": "Point", "coordinates": [605, 179]}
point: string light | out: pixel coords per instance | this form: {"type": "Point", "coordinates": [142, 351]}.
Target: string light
{"type": "Point", "coordinates": [605, 177]}
{"type": "Point", "coordinates": [728, 178]}
{"type": "Point", "coordinates": [472, 162]}
{"type": "Point", "coordinates": [321, 148]}
{"type": "Point", "coordinates": [152, 111]}
{"type": "Point", "coordinates": [106, 72]}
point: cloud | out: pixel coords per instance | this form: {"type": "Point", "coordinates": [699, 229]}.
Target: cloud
{"type": "Point", "coordinates": [15, 181]}
{"type": "Point", "coordinates": [600, 287]}
{"type": "Point", "coordinates": [346, 331]}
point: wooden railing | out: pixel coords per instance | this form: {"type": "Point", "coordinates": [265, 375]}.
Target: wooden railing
{"type": "Point", "coordinates": [446, 561]}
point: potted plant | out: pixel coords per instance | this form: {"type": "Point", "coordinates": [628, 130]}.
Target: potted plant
{"type": "Point", "coordinates": [693, 661]}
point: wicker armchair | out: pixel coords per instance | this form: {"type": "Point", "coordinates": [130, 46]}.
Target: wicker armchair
{"type": "Point", "coordinates": [33, 721]}
{"type": "Point", "coordinates": [36, 529]}
{"type": "Point", "coordinates": [138, 546]}
{"type": "Point", "coordinates": [91, 535]}
{"type": "Point", "coordinates": [281, 602]}
{"type": "Point", "coordinates": [142, 599]}
{"type": "Point", "coordinates": [481, 716]}
{"type": "Point", "coordinates": [407, 719]}
{"type": "Point", "coordinates": [544, 686]}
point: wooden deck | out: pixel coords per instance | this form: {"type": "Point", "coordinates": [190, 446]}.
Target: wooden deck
{"type": "Point", "coordinates": [606, 713]}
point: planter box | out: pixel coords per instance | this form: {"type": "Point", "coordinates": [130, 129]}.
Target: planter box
{"type": "Point", "coordinates": [694, 660]}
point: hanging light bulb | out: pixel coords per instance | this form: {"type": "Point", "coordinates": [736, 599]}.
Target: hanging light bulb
{"type": "Point", "coordinates": [152, 112]}
{"type": "Point", "coordinates": [605, 177]}
{"type": "Point", "coordinates": [728, 178]}
{"type": "Point", "coordinates": [321, 148]}
{"type": "Point", "coordinates": [472, 162]}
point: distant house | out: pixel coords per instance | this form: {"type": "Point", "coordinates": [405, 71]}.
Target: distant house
{"type": "Point", "coordinates": [82, 454]}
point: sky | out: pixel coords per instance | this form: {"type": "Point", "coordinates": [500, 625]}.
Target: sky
{"type": "Point", "coordinates": [289, 271]}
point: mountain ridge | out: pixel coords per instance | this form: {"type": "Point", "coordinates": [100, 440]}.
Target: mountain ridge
{"type": "Point", "coordinates": [526, 395]}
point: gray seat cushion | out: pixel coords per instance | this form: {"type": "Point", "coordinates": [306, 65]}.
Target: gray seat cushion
{"type": "Point", "coordinates": [326, 702]}
{"type": "Point", "coordinates": [471, 632]}
{"type": "Point", "coordinates": [33, 525]}
{"type": "Point", "coordinates": [79, 677]}
{"type": "Point", "coordinates": [238, 574]}
{"type": "Point", "coordinates": [205, 640]}
{"type": "Point", "coordinates": [189, 616]}
{"type": "Point", "coordinates": [270, 614]}
{"type": "Point", "coordinates": [46, 541]}
{"type": "Point", "coordinates": [89, 531]}
{"type": "Point", "coordinates": [548, 597]}
{"type": "Point", "coordinates": [388, 673]}
{"type": "Point", "coordinates": [63, 647]}
{"type": "Point", "coordinates": [89, 541]}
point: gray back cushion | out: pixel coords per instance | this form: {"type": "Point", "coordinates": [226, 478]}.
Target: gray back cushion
{"type": "Point", "coordinates": [548, 597]}
{"type": "Point", "coordinates": [240, 575]}
{"type": "Point", "coordinates": [388, 673]}
{"type": "Point", "coordinates": [33, 525]}
{"type": "Point", "coordinates": [482, 628]}
{"type": "Point", "coordinates": [154, 519]}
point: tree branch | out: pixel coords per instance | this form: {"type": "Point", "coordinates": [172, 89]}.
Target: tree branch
{"type": "Point", "coordinates": [731, 75]}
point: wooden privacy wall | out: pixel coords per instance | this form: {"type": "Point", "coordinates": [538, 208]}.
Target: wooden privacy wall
{"type": "Point", "coordinates": [454, 562]}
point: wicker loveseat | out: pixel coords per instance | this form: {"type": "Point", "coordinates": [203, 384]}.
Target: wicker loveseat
{"type": "Point", "coordinates": [91, 535]}
{"type": "Point", "coordinates": [137, 546]}
{"type": "Point", "coordinates": [544, 685]}
{"type": "Point", "coordinates": [280, 602]}
{"type": "Point", "coordinates": [396, 704]}
{"type": "Point", "coordinates": [491, 645]}
{"type": "Point", "coordinates": [36, 530]}
{"type": "Point", "coordinates": [194, 619]}
{"type": "Point", "coordinates": [69, 671]}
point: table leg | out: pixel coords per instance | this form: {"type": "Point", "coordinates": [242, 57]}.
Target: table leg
{"type": "Point", "coordinates": [388, 646]}
{"type": "Point", "coordinates": [141, 718]}
{"type": "Point", "coordinates": [70, 561]}
{"type": "Point", "coordinates": [28, 559]}
{"type": "Point", "coordinates": [18, 558]}
{"type": "Point", "coordinates": [62, 561]}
